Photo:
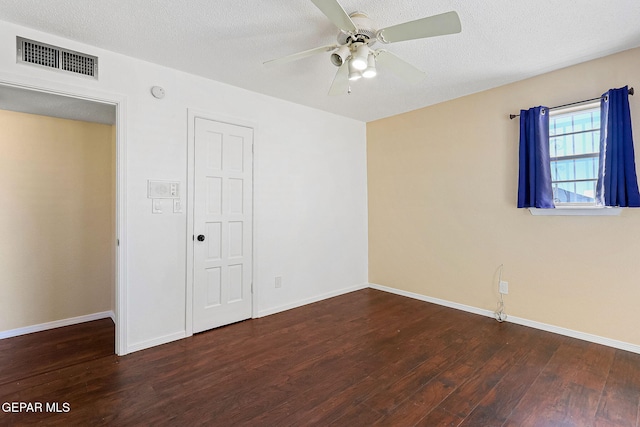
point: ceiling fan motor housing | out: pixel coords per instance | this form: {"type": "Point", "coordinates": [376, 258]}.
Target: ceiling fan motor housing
{"type": "Point", "coordinates": [365, 33]}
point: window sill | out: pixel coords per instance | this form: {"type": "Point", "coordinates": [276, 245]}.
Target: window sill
{"type": "Point", "coordinates": [576, 211]}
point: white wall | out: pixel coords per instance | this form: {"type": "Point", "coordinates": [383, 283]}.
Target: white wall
{"type": "Point", "coordinates": [310, 186]}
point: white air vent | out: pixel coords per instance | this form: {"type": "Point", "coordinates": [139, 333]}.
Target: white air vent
{"type": "Point", "coordinates": [54, 57]}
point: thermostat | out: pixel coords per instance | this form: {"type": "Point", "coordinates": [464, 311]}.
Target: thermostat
{"type": "Point", "coordinates": [163, 190]}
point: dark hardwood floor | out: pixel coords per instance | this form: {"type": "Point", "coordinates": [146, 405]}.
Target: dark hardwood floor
{"type": "Point", "coordinates": [361, 359]}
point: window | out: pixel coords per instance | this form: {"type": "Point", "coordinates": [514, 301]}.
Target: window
{"type": "Point", "coordinates": [574, 148]}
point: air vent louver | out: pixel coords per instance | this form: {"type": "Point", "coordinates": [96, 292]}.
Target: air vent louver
{"type": "Point", "coordinates": [39, 54]}
{"type": "Point", "coordinates": [36, 53]}
{"type": "Point", "coordinates": [78, 63]}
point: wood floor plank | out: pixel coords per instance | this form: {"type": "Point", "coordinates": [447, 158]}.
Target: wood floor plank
{"type": "Point", "coordinates": [582, 363]}
{"type": "Point", "coordinates": [383, 365]}
{"type": "Point", "coordinates": [568, 390]}
{"type": "Point", "coordinates": [29, 355]}
{"type": "Point", "coordinates": [398, 391]}
{"type": "Point", "coordinates": [498, 403]}
{"type": "Point", "coordinates": [329, 353]}
{"type": "Point", "coordinates": [619, 402]}
{"type": "Point", "coordinates": [336, 406]}
{"type": "Point", "coordinates": [441, 418]}
{"type": "Point", "coordinates": [363, 358]}
{"type": "Point", "coordinates": [421, 402]}
{"type": "Point", "coordinates": [344, 358]}
{"type": "Point", "coordinates": [466, 397]}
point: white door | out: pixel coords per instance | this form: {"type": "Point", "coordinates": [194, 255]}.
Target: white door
{"type": "Point", "coordinates": [223, 232]}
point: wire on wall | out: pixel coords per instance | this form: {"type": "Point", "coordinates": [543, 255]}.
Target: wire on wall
{"type": "Point", "coordinates": [500, 314]}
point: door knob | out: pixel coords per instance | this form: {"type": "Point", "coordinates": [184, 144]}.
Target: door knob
{"type": "Point", "coordinates": [201, 238]}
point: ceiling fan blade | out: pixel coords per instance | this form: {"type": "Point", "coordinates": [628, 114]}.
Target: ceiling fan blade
{"type": "Point", "coordinates": [300, 55]}
{"type": "Point", "coordinates": [340, 84]}
{"type": "Point", "coordinates": [437, 25]}
{"type": "Point", "coordinates": [399, 66]}
{"type": "Point", "coordinates": [336, 14]}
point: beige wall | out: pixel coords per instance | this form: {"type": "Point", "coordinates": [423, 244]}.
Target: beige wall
{"type": "Point", "coordinates": [57, 219]}
{"type": "Point", "coordinates": [443, 216]}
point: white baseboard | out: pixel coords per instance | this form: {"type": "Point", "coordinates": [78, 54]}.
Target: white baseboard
{"type": "Point", "coordinates": [597, 339]}
{"type": "Point", "coordinates": [517, 320]}
{"type": "Point", "coordinates": [57, 324]}
{"type": "Point", "coordinates": [285, 307]}
{"type": "Point", "coordinates": [438, 301]}
{"type": "Point", "coordinates": [156, 341]}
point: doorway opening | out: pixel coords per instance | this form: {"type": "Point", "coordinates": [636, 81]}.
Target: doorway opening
{"type": "Point", "coordinates": [62, 236]}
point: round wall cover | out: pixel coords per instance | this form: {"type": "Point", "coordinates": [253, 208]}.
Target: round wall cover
{"type": "Point", "coordinates": [157, 92]}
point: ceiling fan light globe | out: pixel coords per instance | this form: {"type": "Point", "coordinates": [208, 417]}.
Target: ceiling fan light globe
{"type": "Point", "coordinates": [355, 75]}
{"type": "Point", "coordinates": [359, 64]}
{"type": "Point", "coordinates": [360, 57]}
{"type": "Point", "coordinates": [369, 73]}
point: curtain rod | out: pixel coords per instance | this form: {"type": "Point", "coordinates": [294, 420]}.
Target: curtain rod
{"type": "Point", "coordinates": [513, 116]}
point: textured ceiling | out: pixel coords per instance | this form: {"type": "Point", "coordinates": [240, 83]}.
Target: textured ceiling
{"type": "Point", "coordinates": [501, 41]}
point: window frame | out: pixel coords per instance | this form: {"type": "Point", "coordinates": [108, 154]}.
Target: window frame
{"type": "Point", "coordinates": [574, 110]}
{"type": "Point", "coordinates": [569, 208]}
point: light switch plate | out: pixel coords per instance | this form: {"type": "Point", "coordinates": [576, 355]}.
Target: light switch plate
{"type": "Point", "coordinates": [156, 206]}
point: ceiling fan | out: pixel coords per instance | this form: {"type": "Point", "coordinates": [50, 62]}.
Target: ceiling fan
{"type": "Point", "coordinates": [353, 54]}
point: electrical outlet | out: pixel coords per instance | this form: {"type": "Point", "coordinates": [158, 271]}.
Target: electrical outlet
{"type": "Point", "coordinates": [177, 206]}
{"type": "Point", "coordinates": [503, 288]}
{"type": "Point", "coordinates": [278, 282]}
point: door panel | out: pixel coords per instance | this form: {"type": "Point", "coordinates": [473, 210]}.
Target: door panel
{"type": "Point", "coordinates": [223, 223]}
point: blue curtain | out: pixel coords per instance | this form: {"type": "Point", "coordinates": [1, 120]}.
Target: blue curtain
{"type": "Point", "coordinates": [534, 180]}
{"type": "Point", "coordinates": [617, 180]}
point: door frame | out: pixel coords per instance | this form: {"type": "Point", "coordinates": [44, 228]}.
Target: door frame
{"type": "Point", "coordinates": [120, 103]}
{"type": "Point", "coordinates": [192, 115]}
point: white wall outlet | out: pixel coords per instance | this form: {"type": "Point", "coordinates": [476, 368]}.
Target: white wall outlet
{"type": "Point", "coordinates": [177, 206]}
{"type": "Point", "coordinates": [278, 282]}
{"type": "Point", "coordinates": [503, 288]}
